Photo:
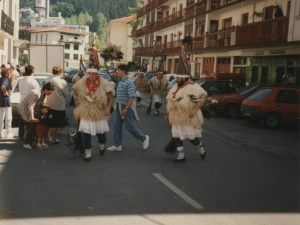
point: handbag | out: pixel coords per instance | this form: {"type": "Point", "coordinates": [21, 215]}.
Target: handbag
{"type": "Point", "coordinates": [205, 112]}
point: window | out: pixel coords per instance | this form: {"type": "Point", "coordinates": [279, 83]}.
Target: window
{"type": "Point", "coordinates": [269, 12]}
{"type": "Point", "coordinates": [189, 2]}
{"type": "Point", "coordinates": [41, 37]}
{"type": "Point", "coordinates": [227, 22]}
{"type": "Point", "coordinates": [75, 38]}
{"type": "Point", "coordinates": [189, 30]}
{"type": "Point", "coordinates": [76, 47]}
{"type": "Point", "coordinates": [287, 96]}
{"type": "Point", "coordinates": [67, 46]}
{"type": "Point", "coordinates": [61, 37]}
{"type": "Point", "coordinates": [245, 17]}
{"type": "Point", "coordinates": [36, 37]}
{"type": "Point", "coordinates": [152, 15]}
{"type": "Point", "coordinates": [260, 94]}
{"type": "Point", "coordinates": [75, 56]}
{"type": "Point", "coordinates": [67, 56]}
{"type": "Point", "coordinates": [199, 29]}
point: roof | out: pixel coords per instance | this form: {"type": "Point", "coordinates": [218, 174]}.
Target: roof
{"type": "Point", "coordinates": [60, 29]}
{"type": "Point", "coordinates": [123, 19]}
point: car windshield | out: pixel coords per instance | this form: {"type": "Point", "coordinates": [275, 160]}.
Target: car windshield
{"type": "Point", "coordinates": [41, 82]}
{"type": "Point", "coordinates": [260, 94]}
{"type": "Point", "coordinates": [150, 75]}
{"type": "Point", "coordinates": [245, 91]}
{"type": "Point", "coordinates": [105, 76]}
{"type": "Point", "coordinates": [73, 72]}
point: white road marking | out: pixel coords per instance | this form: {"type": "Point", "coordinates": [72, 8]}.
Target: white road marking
{"type": "Point", "coordinates": [180, 193]}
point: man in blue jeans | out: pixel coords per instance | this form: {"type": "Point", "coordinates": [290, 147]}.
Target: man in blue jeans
{"type": "Point", "coordinates": [125, 107]}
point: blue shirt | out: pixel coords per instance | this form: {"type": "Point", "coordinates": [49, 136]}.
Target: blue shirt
{"type": "Point", "coordinates": [125, 90]}
{"type": "Point", "coordinates": [4, 100]}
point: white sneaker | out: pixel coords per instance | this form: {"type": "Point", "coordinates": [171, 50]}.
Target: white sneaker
{"type": "Point", "coordinates": [27, 146]}
{"type": "Point", "coordinates": [10, 135]}
{"type": "Point", "coordinates": [146, 142]}
{"type": "Point", "coordinates": [114, 148]}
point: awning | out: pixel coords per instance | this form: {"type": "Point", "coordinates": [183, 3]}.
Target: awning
{"type": "Point", "coordinates": [20, 43]}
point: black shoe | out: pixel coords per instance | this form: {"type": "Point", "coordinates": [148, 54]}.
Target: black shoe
{"type": "Point", "coordinates": [202, 152]}
{"type": "Point", "coordinates": [87, 159]}
{"type": "Point", "coordinates": [102, 151]}
{"type": "Point", "coordinates": [157, 113]}
{"type": "Point", "coordinates": [179, 160]}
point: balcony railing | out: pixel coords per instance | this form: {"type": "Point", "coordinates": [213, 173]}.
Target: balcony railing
{"type": "Point", "coordinates": [151, 5]}
{"type": "Point", "coordinates": [172, 19]}
{"type": "Point", "coordinates": [267, 32]}
{"type": "Point", "coordinates": [7, 24]}
{"type": "Point", "coordinates": [159, 49]}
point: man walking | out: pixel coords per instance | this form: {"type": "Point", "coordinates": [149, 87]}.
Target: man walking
{"type": "Point", "coordinates": [159, 90]}
{"type": "Point", "coordinates": [125, 108]}
{"type": "Point", "coordinates": [140, 83]}
{"type": "Point", "coordinates": [94, 99]}
{"type": "Point", "coordinates": [184, 101]}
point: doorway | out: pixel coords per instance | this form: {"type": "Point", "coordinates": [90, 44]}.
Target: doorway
{"type": "Point", "coordinates": [264, 74]}
{"type": "Point", "coordinates": [279, 73]}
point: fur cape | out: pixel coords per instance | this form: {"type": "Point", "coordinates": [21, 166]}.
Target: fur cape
{"type": "Point", "coordinates": [140, 86]}
{"type": "Point", "coordinates": [179, 107]}
{"type": "Point", "coordinates": [158, 89]}
{"type": "Point", "coordinates": [91, 111]}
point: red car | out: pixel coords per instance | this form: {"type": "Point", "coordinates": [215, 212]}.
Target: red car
{"type": "Point", "coordinates": [229, 104]}
{"type": "Point", "coordinates": [273, 105]}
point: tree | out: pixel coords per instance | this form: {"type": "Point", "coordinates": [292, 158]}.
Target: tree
{"type": "Point", "coordinates": [100, 43]}
{"type": "Point", "coordinates": [112, 53]}
{"type": "Point", "coordinates": [134, 24]}
{"type": "Point", "coordinates": [65, 8]}
{"type": "Point", "coordinates": [99, 25]}
{"type": "Point", "coordinates": [27, 3]}
{"type": "Point", "coordinates": [23, 58]}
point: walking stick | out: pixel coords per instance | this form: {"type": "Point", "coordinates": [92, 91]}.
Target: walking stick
{"type": "Point", "coordinates": [149, 107]}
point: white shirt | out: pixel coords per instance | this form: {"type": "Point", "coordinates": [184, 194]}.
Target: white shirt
{"type": "Point", "coordinates": [57, 100]}
{"type": "Point", "coordinates": [27, 84]}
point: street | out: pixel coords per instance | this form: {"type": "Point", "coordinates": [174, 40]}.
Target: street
{"type": "Point", "coordinates": [250, 176]}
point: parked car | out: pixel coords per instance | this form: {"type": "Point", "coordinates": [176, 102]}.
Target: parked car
{"type": "Point", "coordinates": [229, 104]}
{"type": "Point", "coordinates": [15, 94]}
{"type": "Point", "coordinates": [131, 75]}
{"type": "Point", "coordinates": [213, 87]}
{"type": "Point", "coordinates": [272, 105]}
{"type": "Point", "coordinates": [150, 74]}
{"type": "Point", "coordinates": [42, 74]}
{"type": "Point", "coordinates": [71, 74]}
{"type": "Point", "coordinates": [105, 76]}
{"type": "Point", "coordinates": [169, 77]}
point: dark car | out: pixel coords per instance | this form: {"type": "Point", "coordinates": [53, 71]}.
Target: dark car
{"type": "Point", "coordinates": [229, 104]}
{"type": "Point", "coordinates": [213, 87]}
{"type": "Point", "coordinates": [272, 105]}
{"type": "Point", "coordinates": [70, 75]}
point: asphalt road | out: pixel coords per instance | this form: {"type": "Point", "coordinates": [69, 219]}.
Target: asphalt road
{"type": "Point", "coordinates": [250, 176]}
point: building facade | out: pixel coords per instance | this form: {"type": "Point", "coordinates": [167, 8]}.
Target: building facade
{"type": "Point", "coordinates": [118, 31]}
{"type": "Point", "coordinates": [229, 36]}
{"type": "Point", "coordinates": [9, 43]}
{"type": "Point", "coordinates": [73, 42]}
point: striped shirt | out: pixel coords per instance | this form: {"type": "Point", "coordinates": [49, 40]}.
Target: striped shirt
{"type": "Point", "coordinates": [125, 90]}
{"type": "Point", "coordinates": [31, 103]}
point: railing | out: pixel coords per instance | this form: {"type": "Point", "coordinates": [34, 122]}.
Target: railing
{"type": "Point", "coordinates": [159, 49]}
{"type": "Point", "coordinates": [7, 24]}
{"type": "Point", "coordinates": [267, 32]}
{"type": "Point", "coordinates": [172, 19]}
{"type": "Point", "coordinates": [151, 5]}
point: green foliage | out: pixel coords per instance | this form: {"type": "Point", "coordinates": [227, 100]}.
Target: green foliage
{"type": "Point", "coordinates": [112, 53]}
{"type": "Point", "coordinates": [99, 25]}
{"type": "Point", "coordinates": [27, 3]}
{"type": "Point", "coordinates": [100, 43]}
{"type": "Point", "coordinates": [135, 22]}
{"type": "Point", "coordinates": [84, 18]}
{"type": "Point", "coordinates": [132, 66]}
{"type": "Point", "coordinates": [23, 58]}
{"type": "Point", "coordinates": [66, 9]}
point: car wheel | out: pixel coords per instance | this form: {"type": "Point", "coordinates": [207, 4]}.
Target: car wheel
{"type": "Point", "coordinates": [232, 111]}
{"type": "Point", "coordinates": [272, 120]}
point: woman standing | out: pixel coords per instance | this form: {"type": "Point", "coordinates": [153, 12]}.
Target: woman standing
{"type": "Point", "coordinates": [57, 102]}
{"type": "Point", "coordinates": [5, 106]}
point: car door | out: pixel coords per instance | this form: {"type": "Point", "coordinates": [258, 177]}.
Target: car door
{"type": "Point", "coordinates": [287, 104]}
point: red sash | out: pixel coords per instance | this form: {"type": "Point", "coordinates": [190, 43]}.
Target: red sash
{"type": "Point", "coordinates": [92, 87]}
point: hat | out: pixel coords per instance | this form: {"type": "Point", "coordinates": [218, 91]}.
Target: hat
{"type": "Point", "coordinates": [92, 70]}
{"type": "Point", "coordinates": [181, 76]}
{"type": "Point", "coordinates": [12, 65]}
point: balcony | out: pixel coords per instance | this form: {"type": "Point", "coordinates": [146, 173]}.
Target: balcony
{"type": "Point", "coordinates": [70, 40]}
{"type": "Point", "coordinates": [264, 33]}
{"type": "Point", "coordinates": [267, 32]}
{"type": "Point", "coordinates": [151, 5]}
{"type": "Point", "coordinates": [7, 26]}
{"type": "Point", "coordinates": [172, 19]}
{"type": "Point", "coordinates": [160, 49]}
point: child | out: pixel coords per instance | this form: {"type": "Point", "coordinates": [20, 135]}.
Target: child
{"type": "Point", "coordinates": [41, 128]}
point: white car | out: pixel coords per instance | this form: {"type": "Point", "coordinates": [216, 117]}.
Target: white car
{"type": "Point", "coordinates": [15, 93]}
